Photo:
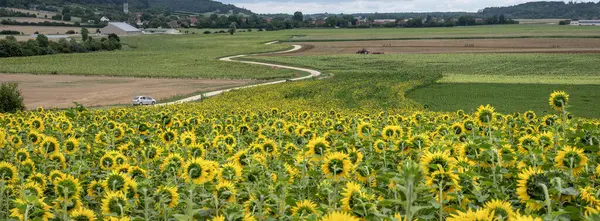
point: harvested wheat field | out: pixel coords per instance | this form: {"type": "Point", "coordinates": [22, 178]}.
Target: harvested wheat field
{"type": "Point", "coordinates": [27, 19]}
{"type": "Point", "coordinates": [62, 90]}
{"type": "Point", "coordinates": [527, 45]}
{"type": "Point", "coordinates": [47, 30]}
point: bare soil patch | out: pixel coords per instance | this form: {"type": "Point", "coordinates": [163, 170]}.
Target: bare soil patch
{"type": "Point", "coordinates": [524, 45]}
{"type": "Point", "coordinates": [62, 90]}
{"type": "Point", "coordinates": [47, 30]}
{"type": "Point", "coordinates": [37, 20]}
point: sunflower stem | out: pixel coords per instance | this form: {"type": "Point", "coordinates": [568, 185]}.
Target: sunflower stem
{"type": "Point", "coordinates": [441, 211]}
{"type": "Point", "coordinates": [547, 196]}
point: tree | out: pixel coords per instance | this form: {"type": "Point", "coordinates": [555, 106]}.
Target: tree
{"type": "Point", "coordinates": [232, 28]}
{"type": "Point", "coordinates": [11, 99]}
{"type": "Point", "coordinates": [298, 17]}
{"type": "Point", "coordinates": [114, 37]}
{"type": "Point", "coordinates": [42, 41]}
{"type": "Point", "coordinates": [66, 17]}
{"type": "Point", "coordinates": [84, 34]}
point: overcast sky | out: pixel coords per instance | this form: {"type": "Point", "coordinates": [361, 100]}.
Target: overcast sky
{"type": "Point", "coordinates": [358, 6]}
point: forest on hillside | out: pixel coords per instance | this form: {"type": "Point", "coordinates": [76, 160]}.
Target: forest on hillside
{"type": "Point", "coordinates": [198, 6]}
{"type": "Point", "coordinates": [547, 9]}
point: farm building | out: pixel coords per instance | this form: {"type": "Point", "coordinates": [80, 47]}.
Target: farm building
{"type": "Point", "coordinates": [586, 22]}
{"type": "Point", "coordinates": [120, 28]}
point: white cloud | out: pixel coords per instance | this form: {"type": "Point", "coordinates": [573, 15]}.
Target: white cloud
{"type": "Point", "coordinates": [360, 6]}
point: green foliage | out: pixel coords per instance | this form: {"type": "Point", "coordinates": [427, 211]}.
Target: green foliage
{"type": "Point", "coordinates": [546, 9]}
{"type": "Point", "coordinates": [9, 47]}
{"type": "Point", "coordinates": [85, 34]}
{"type": "Point", "coordinates": [232, 28]}
{"type": "Point", "coordinates": [507, 97]}
{"type": "Point", "coordinates": [10, 98]}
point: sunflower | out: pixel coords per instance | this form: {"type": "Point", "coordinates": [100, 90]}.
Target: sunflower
{"type": "Point", "coordinates": [350, 196]}
{"type": "Point", "coordinates": [95, 188]}
{"type": "Point", "coordinates": [136, 172]}
{"type": "Point", "coordinates": [67, 187]}
{"type": "Point", "coordinates": [8, 172]}
{"type": "Point", "coordinates": [2, 138]}
{"type": "Point", "coordinates": [571, 158]}
{"type": "Point", "coordinates": [528, 142]}
{"type": "Point", "coordinates": [529, 116]}
{"type": "Point", "coordinates": [303, 208]}
{"type": "Point", "coordinates": [430, 161]}
{"type": "Point", "coordinates": [168, 195]}
{"type": "Point", "coordinates": [336, 165]}
{"type": "Point", "coordinates": [49, 146]}
{"type": "Point", "coordinates": [101, 138]}
{"type": "Point", "coordinates": [27, 168]}
{"type": "Point", "coordinates": [59, 158]}
{"type": "Point", "coordinates": [172, 163]}
{"type": "Point", "coordinates": [199, 171]}
{"type": "Point", "coordinates": [230, 172]}
{"type": "Point", "coordinates": [484, 115]}
{"type": "Point", "coordinates": [32, 189]}
{"type": "Point", "coordinates": [529, 188]}
{"type": "Point", "coordinates": [448, 181]}
{"type": "Point", "coordinates": [364, 130]}
{"type": "Point", "coordinates": [37, 124]}
{"type": "Point", "coordinates": [520, 217]}
{"type": "Point", "coordinates": [152, 152]}
{"type": "Point", "coordinates": [501, 209]}
{"type": "Point", "coordinates": [187, 138]}
{"type": "Point", "coordinates": [420, 141]}
{"type": "Point", "coordinates": [83, 214]}
{"type": "Point", "coordinates": [114, 203]}
{"type": "Point", "coordinates": [558, 100]}
{"type": "Point", "coordinates": [218, 218]}
{"type": "Point", "coordinates": [33, 136]}
{"type": "Point", "coordinates": [25, 207]}
{"type": "Point", "coordinates": [479, 215]}
{"type": "Point", "coordinates": [269, 147]}
{"type": "Point", "coordinates": [458, 128]}
{"type": "Point", "coordinates": [225, 190]}
{"type": "Point", "coordinates": [317, 147]}
{"type": "Point", "coordinates": [588, 194]}
{"type": "Point", "coordinates": [168, 136]}
{"type": "Point", "coordinates": [241, 158]}
{"type": "Point", "coordinates": [115, 182]}
{"type": "Point", "coordinates": [355, 156]}
{"type": "Point", "coordinates": [39, 179]}
{"type": "Point", "coordinates": [391, 132]}
{"type": "Point", "coordinates": [71, 145]}
{"type": "Point", "coordinates": [339, 216]}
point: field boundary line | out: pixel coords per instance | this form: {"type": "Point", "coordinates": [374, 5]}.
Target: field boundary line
{"type": "Point", "coordinates": [437, 38]}
{"type": "Point", "coordinates": [313, 73]}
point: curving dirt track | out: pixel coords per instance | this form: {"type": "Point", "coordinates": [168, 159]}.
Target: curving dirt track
{"type": "Point", "coordinates": [524, 45]}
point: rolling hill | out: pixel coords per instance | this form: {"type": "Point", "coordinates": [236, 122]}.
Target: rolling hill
{"type": "Point", "coordinates": [197, 6]}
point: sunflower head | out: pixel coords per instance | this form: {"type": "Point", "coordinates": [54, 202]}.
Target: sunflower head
{"type": "Point", "coordinates": [484, 115]}
{"type": "Point", "coordinates": [501, 209]}
{"type": "Point", "coordinates": [168, 196]}
{"type": "Point", "coordinates": [83, 214]}
{"type": "Point", "coordinates": [317, 147]}
{"type": "Point", "coordinates": [571, 158]}
{"type": "Point", "coordinates": [304, 208]}
{"type": "Point", "coordinates": [336, 165]}
{"type": "Point", "coordinates": [558, 100]}
{"type": "Point", "coordinates": [42, 210]}
{"type": "Point", "coordinates": [226, 191]}
{"type": "Point", "coordinates": [67, 187]}
{"type": "Point", "coordinates": [8, 172]}
{"type": "Point", "coordinates": [114, 203]}
{"type": "Point", "coordinates": [529, 187]}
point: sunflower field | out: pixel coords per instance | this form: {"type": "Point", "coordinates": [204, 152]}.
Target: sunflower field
{"type": "Point", "coordinates": [184, 163]}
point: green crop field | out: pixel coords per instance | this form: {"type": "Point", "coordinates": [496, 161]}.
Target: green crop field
{"type": "Point", "coordinates": [507, 98]}
{"type": "Point", "coordinates": [357, 76]}
{"type": "Point", "coordinates": [179, 56]}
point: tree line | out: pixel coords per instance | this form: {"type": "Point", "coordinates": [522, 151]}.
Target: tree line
{"type": "Point", "coordinates": [547, 9]}
{"type": "Point", "coordinates": [11, 13]}
{"type": "Point", "coordinates": [10, 47]}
